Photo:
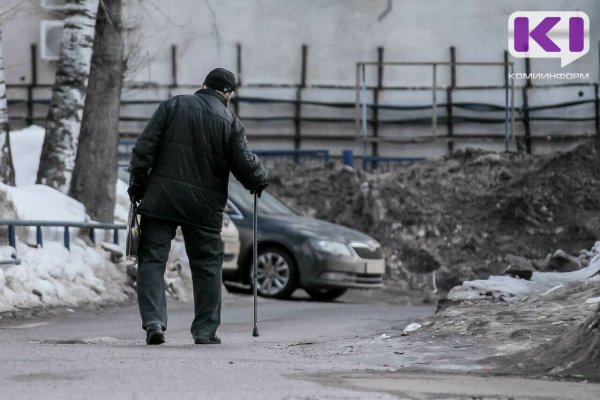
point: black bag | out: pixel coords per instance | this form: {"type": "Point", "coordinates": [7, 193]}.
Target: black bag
{"type": "Point", "coordinates": [133, 233]}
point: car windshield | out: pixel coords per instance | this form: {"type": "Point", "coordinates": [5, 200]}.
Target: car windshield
{"type": "Point", "coordinates": [267, 205]}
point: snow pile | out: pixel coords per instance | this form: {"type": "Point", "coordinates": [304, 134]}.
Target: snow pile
{"type": "Point", "coordinates": [53, 275]}
{"type": "Point", "coordinates": [508, 287]}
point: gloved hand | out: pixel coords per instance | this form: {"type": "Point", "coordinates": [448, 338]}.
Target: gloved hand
{"type": "Point", "coordinates": [137, 186]}
{"type": "Point", "coordinates": [136, 192]}
{"type": "Point", "coordinates": [260, 189]}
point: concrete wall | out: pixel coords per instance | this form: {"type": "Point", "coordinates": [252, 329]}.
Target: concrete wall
{"type": "Point", "coordinates": [338, 34]}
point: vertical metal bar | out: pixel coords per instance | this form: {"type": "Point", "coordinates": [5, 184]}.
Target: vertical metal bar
{"type": "Point", "coordinates": [38, 236]}
{"type": "Point", "coordinates": [67, 238]}
{"type": "Point", "coordinates": [512, 105]}
{"type": "Point", "coordinates": [434, 99]}
{"type": "Point", "coordinates": [364, 115]}
{"type": "Point", "coordinates": [375, 144]}
{"type": "Point", "coordinates": [116, 236]}
{"type": "Point", "coordinates": [348, 158]}
{"type": "Point", "coordinates": [255, 264]}
{"type": "Point", "coordinates": [34, 77]}
{"type": "Point", "coordinates": [526, 120]}
{"type": "Point", "coordinates": [173, 65]}
{"type": "Point", "coordinates": [597, 108]}
{"type": "Point", "coordinates": [298, 103]}
{"type": "Point", "coordinates": [238, 62]}
{"type": "Point", "coordinates": [506, 132]}
{"type": "Point", "coordinates": [357, 103]}
{"type": "Point", "coordinates": [32, 85]}
{"type": "Point", "coordinates": [526, 116]}
{"type": "Point", "coordinates": [12, 237]}
{"type": "Point", "coordinates": [453, 66]}
{"type": "Point", "coordinates": [93, 235]}
{"type": "Point", "coordinates": [449, 95]}
{"type": "Point", "coordinates": [238, 59]}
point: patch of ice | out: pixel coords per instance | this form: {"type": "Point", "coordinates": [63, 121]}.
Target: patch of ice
{"type": "Point", "coordinates": [593, 300]}
{"type": "Point", "coordinates": [412, 327]}
{"type": "Point", "coordinates": [547, 292]}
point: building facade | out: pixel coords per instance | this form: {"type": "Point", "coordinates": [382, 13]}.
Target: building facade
{"type": "Point", "coordinates": [297, 62]}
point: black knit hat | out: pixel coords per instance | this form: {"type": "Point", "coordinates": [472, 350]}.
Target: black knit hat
{"type": "Point", "coordinates": [220, 79]}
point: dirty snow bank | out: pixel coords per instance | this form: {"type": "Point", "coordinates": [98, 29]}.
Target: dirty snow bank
{"type": "Point", "coordinates": [510, 288]}
{"type": "Point", "coordinates": [52, 275]}
{"type": "Point", "coordinates": [506, 325]}
{"type": "Point", "coordinates": [55, 276]}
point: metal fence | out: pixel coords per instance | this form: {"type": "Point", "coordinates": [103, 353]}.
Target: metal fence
{"type": "Point", "coordinates": [66, 225]}
{"type": "Point", "coordinates": [28, 104]}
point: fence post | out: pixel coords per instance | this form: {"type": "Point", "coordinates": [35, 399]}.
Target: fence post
{"type": "Point", "coordinates": [238, 63]}
{"type": "Point", "coordinates": [32, 85]}
{"type": "Point", "coordinates": [298, 103]}
{"type": "Point", "coordinates": [348, 158]}
{"type": "Point", "coordinates": [38, 236]}
{"type": "Point", "coordinates": [116, 237]}
{"type": "Point", "coordinates": [92, 235]}
{"type": "Point", "coordinates": [67, 238]}
{"type": "Point", "coordinates": [12, 239]}
{"type": "Point", "coordinates": [376, 91]}
{"type": "Point", "coordinates": [434, 116]}
{"type": "Point", "coordinates": [173, 65]}
{"type": "Point", "coordinates": [526, 116]}
{"type": "Point", "coordinates": [506, 132]}
{"type": "Point", "coordinates": [449, 91]}
{"type": "Point", "coordinates": [597, 108]}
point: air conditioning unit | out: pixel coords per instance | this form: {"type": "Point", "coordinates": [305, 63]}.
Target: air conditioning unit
{"type": "Point", "coordinates": [54, 5]}
{"type": "Point", "coordinates": [50, 39]}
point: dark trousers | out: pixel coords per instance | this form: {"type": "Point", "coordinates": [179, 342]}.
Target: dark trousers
{"type": "Point", "coordinates": [205, 252]}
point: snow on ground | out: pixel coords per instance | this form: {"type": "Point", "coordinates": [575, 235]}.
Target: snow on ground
{"type": "Point", "coordinates": [52, 275]}
{"type": "Point", "coordinates": [55, 276]}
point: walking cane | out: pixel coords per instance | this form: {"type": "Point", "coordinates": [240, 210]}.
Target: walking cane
{"type": "Point", "coordinates": [254, 266]}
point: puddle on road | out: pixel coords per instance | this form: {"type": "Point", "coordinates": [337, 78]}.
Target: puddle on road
{"type": "Point", "coordinates": [94, 340]}
{"type": "Point", "coordinates": [46, 376]}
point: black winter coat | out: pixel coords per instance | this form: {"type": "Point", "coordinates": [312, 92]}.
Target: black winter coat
{"type": "Point", "coordinates": [184, 156]}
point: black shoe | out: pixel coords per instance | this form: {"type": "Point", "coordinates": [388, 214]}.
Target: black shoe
{"type": "Point", "coordinates": [213, 339]}
{"type": "Point", "coordinates": [155, 334]}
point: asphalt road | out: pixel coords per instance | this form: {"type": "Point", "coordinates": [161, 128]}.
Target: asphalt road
{"type": "Point", "coordinates": [306, 350]}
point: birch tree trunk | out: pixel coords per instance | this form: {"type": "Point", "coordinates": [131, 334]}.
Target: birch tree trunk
{"type": "Point", "coordinates": [96, 166]}
{"type": "Point", "coordinates": [68, 94]}
{"type": "Point", "coordinates": [7, 171]}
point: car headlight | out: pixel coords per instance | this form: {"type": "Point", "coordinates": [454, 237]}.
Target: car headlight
{"type": "Point", "coordinates": [333, 248]}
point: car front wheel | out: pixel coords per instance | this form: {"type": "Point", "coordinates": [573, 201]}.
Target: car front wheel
{"type": "Point", "coordinates": [277, 276]}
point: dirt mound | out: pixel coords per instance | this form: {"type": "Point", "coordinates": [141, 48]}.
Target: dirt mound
{"type": "Point", "coordinates": [459, 215]}
{"type": "Point", "coordinates": [575, 353]}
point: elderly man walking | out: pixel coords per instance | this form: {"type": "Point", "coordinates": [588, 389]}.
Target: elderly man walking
{"type": "Point", "coordinates": [180, 170]}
